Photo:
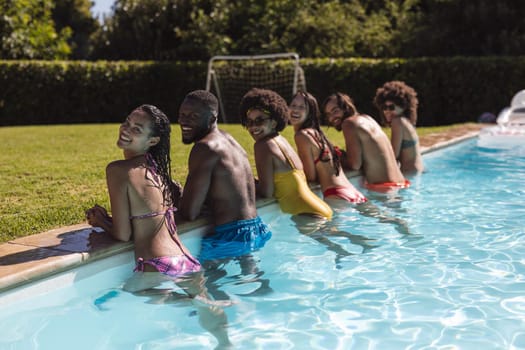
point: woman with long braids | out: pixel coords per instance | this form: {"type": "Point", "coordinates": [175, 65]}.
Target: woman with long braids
{"type": "Point", "coordinates": [143, 200]}
{"type": "Point", "coordinates": [321, 160]}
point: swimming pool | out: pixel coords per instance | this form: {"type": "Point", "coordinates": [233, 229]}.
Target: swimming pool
{"type": "Point", "coordinates": [455, 280]}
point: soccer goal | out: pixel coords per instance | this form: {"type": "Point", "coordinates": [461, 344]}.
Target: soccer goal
{"type": "Point", "coordinates": [230, 77]}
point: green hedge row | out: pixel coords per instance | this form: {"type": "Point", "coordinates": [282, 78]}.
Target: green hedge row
{"type": "Point", "coordinates": [51, 92]}
{"type": "Point", "coordinates": [451, 90]}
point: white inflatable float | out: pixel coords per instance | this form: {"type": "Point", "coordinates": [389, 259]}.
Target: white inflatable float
{"type": "Point", "coordinates": [509, 131]}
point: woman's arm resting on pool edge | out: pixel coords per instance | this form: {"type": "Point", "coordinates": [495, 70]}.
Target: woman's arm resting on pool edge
{"type": "Point", "coordinates": [118, 226]}
{"type": "Point", "coordinates": [97, 216]}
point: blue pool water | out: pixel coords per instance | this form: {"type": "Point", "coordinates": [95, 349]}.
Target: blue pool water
{"type": "Point", "coordinates": [455, 280]}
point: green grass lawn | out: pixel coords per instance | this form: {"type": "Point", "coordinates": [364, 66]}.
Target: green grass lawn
{"type": "Point", "coordinates": [50, 174]}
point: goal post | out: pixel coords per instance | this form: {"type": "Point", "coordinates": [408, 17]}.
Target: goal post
{"type": "Point", "coordinates": [230, 77]}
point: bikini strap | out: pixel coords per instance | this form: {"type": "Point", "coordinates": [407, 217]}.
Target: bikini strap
{"type": "Point", "coordinates": [152, 167]}
{"type": "Point", "coordinates": [317, 141]}
{"type": "Point", "coordinates": [171, 225]}
{"type": "Point", "coordinates": [145, 216]}
{"type": "Point", "coordinates": [170, 220]}
{"type": "Point", "coordinates": [322, 150]}
{"type": "Point", "coordinates": [172, 229]}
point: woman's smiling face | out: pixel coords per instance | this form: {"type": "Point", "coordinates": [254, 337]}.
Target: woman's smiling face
{"type": "Point", "coordinates": [298, 110]}
{"type": "Point", "coordinates": [135, 133]}
{"type": "Point", "coordinates": [391, 111]}
{"type": "Point", "coordinates": [259, 124]}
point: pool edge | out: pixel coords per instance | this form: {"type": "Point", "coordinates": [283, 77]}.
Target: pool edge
{"type": "Point", "coordinates": [32, 258]}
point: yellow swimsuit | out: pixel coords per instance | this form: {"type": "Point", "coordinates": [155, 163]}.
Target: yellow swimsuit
{"type": "Point", "coordinates": [294, 195]}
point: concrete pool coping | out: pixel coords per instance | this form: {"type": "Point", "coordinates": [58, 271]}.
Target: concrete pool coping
{"type": "Point", "coordinates": [35, 257]}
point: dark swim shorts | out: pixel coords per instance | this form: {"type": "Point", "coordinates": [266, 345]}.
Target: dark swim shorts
{"type": "Point", "coordinates": [235, 239]}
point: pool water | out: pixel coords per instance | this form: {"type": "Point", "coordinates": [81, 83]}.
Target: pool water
{"type": "Point", "coordinates": [443, 267]}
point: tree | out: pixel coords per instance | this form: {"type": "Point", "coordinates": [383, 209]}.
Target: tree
{"type": "Point", "coordinates": [336, 29]}
{"type": "Point", "coordinates": [164, 29]}
{"type": "Point", "coordinates": [75, 15]}
{"type": "Point", "coordinates": [27, 31]}
{"type": "Point", "coordinates": [469, 28]}
{"type": "Point", "coordinates": [199, 29]}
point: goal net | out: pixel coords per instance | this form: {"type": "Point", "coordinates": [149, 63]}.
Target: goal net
{"type": "Point", "coordinates": [230, 77]}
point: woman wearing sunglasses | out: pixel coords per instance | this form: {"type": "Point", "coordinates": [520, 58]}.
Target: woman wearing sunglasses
{"type": "Point", "coordinates": [397, 105]}
{"type": "Point", "coordinates": [264, 113]}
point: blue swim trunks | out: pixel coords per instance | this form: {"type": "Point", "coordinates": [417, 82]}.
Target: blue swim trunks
{"type": "Point", "coordinates": [235, 239]}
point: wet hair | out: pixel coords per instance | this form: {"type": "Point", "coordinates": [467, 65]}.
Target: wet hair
{"type": "Point", "coordinates": [267, 101]}
{"type": "Point", "coordinates": [402, 95]}
{"type": "Point", "coordinates": [343, 101]}
{"type": "Point", "coordinates": [159, 154]}
{"type": "Point", "coordinates": [313, 120]}
{"type": "Point", "coordinates": [205, 98]}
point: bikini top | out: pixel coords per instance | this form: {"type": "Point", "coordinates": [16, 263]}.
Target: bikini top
{"type": "Point", "coordinates": [169, 216]}
{"type": "Point", "coordinates": [153, 214]}
{"type": "Point", "coordinates": [169, 213]}
{"type": "Point", "coordinates": [408, 143]}
{"type": "Point", "coordinates": [323, 151]}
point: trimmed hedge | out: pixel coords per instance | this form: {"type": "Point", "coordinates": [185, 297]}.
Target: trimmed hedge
{"type": "Point", "coordinates": [52, 92]}
{"type": "Point", "coordinates": [451, 90]}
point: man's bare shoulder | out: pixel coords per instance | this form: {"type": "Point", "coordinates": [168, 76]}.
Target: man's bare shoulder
{"type": "Point", "coordinates": [352, 123]}
{"type": "Point", "coordinates": [230, 145]}
{"type": "Point", "coordinates": [365, 122]}
{"type": "Point", "coordinates": [202, 147]}
{"type": "Point", "coordinates": [209, 144]}
{"type": "Point", "coordinates": [226, 135]}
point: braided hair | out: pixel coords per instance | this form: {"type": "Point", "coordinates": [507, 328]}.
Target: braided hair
{"type": "Point", "coordinates": [313, 120]}
{"type": "Point", "coordinates": [158, 156]}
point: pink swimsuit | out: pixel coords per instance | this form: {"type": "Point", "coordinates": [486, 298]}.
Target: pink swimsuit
{"type": "Point", "coordinates": [173, 266]}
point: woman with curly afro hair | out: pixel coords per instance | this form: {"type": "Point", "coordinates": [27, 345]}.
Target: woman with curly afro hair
{"type": "Point", "coordinates": [264, 113]}
{"type": "Point", "coordinates": [397, 104]}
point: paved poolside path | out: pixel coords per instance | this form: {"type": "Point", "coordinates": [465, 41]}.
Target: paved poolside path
{"type": "Point", "coordinates": [33, 257]}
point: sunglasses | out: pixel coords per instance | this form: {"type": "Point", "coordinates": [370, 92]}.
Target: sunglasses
{"type": "Point", "coordinates": [255, 122]}
{"type": "Point", "coordinates": [389, 107]}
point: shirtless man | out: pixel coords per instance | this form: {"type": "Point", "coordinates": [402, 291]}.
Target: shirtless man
{"type": "Point", "coordinates": [220, 177]}
{"type": "Point", "coordinates": [367, 146]}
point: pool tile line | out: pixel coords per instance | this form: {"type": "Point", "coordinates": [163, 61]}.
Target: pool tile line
{"type": "Point", "coordinates": [31, 258]}
{"type": "Point", "coordinates": [447, 143]}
